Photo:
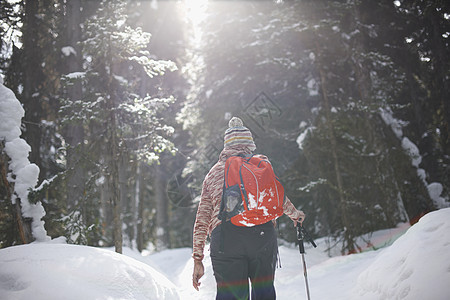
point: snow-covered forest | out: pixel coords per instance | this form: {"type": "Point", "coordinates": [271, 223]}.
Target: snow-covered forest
{"type": "Point", "coordinates": [112, 112]}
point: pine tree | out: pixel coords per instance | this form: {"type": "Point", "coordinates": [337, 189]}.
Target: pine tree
{"type": "Point", "coordinates": [424, 59]}
{"type": "Point", "coordinates": [29, 65]}
{"type": "Point", "coordinates": [348, 134]}
{"type": "Point", "coordinates": [126, 124]}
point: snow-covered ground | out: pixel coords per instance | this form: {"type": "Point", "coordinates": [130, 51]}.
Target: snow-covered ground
{"type": "Point", "coordinates": [415, 266]}
{"type": "Point", "coordinates": [60, 271]}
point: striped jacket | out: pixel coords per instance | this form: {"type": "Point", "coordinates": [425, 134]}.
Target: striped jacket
{"type": "Point", "coordinates": [209, 206]}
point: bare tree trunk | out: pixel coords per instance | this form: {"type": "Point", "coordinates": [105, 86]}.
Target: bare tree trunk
{"type": "Point", "coordinates": [348, 235]}
{"type": "Point", "coordinates": [74, 132]}
{"type": "Point", "coordinates": [112, 124]}
{"type": "Point", "coordinates": [135, 206]}
{"type": "Point", "coordinates": [23, 226]}
{"type": "Point", "coordinates": [162, 217]}
{"type": "Point", "coordinates": [140, 217]}
{"type": "Point", "coordinates": [106, 212]}
{"type": "Point", "coordinates": [364, 86]}
{"type": "Point", "coordinates": [114, 180]}
{"type": "Point", "coordinates": [32, 82]}
{"type": "Point", "coordinates": [115, 202]}
{"type": "Point", "coordinates": [127, 199]}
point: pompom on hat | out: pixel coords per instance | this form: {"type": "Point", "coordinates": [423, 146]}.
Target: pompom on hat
{"type": "Point", "coordinates": [238, 135]}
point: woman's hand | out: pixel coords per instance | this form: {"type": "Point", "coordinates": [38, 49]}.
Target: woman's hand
{"type": "Point", "coordinates": [199, 270]}
{"type": "Point", "coordinates": [300, 219]}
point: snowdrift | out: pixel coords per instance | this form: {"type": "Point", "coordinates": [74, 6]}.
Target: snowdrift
{"type": "Point", "coordinates": [57, 271]}
{"type": "Point", "coordinates": [416, 266]}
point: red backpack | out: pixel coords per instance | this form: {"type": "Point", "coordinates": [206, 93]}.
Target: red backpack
{"type": "Point", "coordinates": [252, 193]}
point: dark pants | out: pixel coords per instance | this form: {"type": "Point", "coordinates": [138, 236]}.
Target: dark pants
{"type": "Point", "coordinates": [242, 253]}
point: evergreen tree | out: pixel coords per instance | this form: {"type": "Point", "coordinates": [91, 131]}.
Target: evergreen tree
{"type": "Point", "coordinates": [357, 82]}
{"type": "Point", "coordinates": [333, 80]}
{"type": "Point", "coordinates": [424, 59]}
{"type": "Point", "coordinates": [73, 132]}
{"type": "Point", "coordinates": [31, 56]}
{"type": "Point", "coordinates": [125, 123]}
{"type": "Point", "coordinates": [347, 98]}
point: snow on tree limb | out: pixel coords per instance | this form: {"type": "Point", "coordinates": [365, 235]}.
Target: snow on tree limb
{"type": "Point", "coordinates": [23, 174]}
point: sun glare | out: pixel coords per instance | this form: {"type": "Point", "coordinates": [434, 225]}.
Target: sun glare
{"type": "Point", "coordinates": [196, 10]}
{"type": "Point", "coordinates": [195, 13]}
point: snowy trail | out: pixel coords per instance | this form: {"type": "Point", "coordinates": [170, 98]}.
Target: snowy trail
{"type": "Point", "coordinates": [334, 278]}
{"type": "Point", "coordinates": [327, 276]}
{"type": "Point", "coordinates": [371, 275]}
{"type": "Point", "coordinates": [415, 266]}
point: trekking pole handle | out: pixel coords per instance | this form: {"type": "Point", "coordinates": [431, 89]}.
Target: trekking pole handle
{"type": "Point", "coordinates": [302, 234]}
{"type": "Point", "coordinates": [301, 246]}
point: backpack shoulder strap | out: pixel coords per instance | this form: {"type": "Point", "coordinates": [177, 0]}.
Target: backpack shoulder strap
{"type": "Point", "coordinates": [242, 187]}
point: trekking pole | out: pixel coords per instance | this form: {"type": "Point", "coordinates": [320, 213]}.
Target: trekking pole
{"type": "Point", "coordinates": [302, 234]}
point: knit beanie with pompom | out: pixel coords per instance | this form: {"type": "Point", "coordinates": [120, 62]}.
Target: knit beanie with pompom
{"type": "Point", "coordinates": [238, 135]}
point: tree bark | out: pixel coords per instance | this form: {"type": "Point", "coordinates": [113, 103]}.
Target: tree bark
{"type": "Point", "coordinates": [364, 87]}
{"type": "Point", "coordinates": [126, 199]}
{"type": "Point", "coordinates": [23, 226]}
{"type": "Point", "coordinates": [106, 211]}
{"type": "Point", "coordinates": [162, 217]}
{"type": "Point", "coordinates": [114, 154]}
{"type": "Point", "coordinates": [140, 219]}
{"type": "Point", "coordinates": [74, 132]}
{"type": "Point", "coordinates": [114, 182]}
{"type": "Point", "coordinates": [32, 81]}
{"type": "Point", "coordinates": [348, 235]}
